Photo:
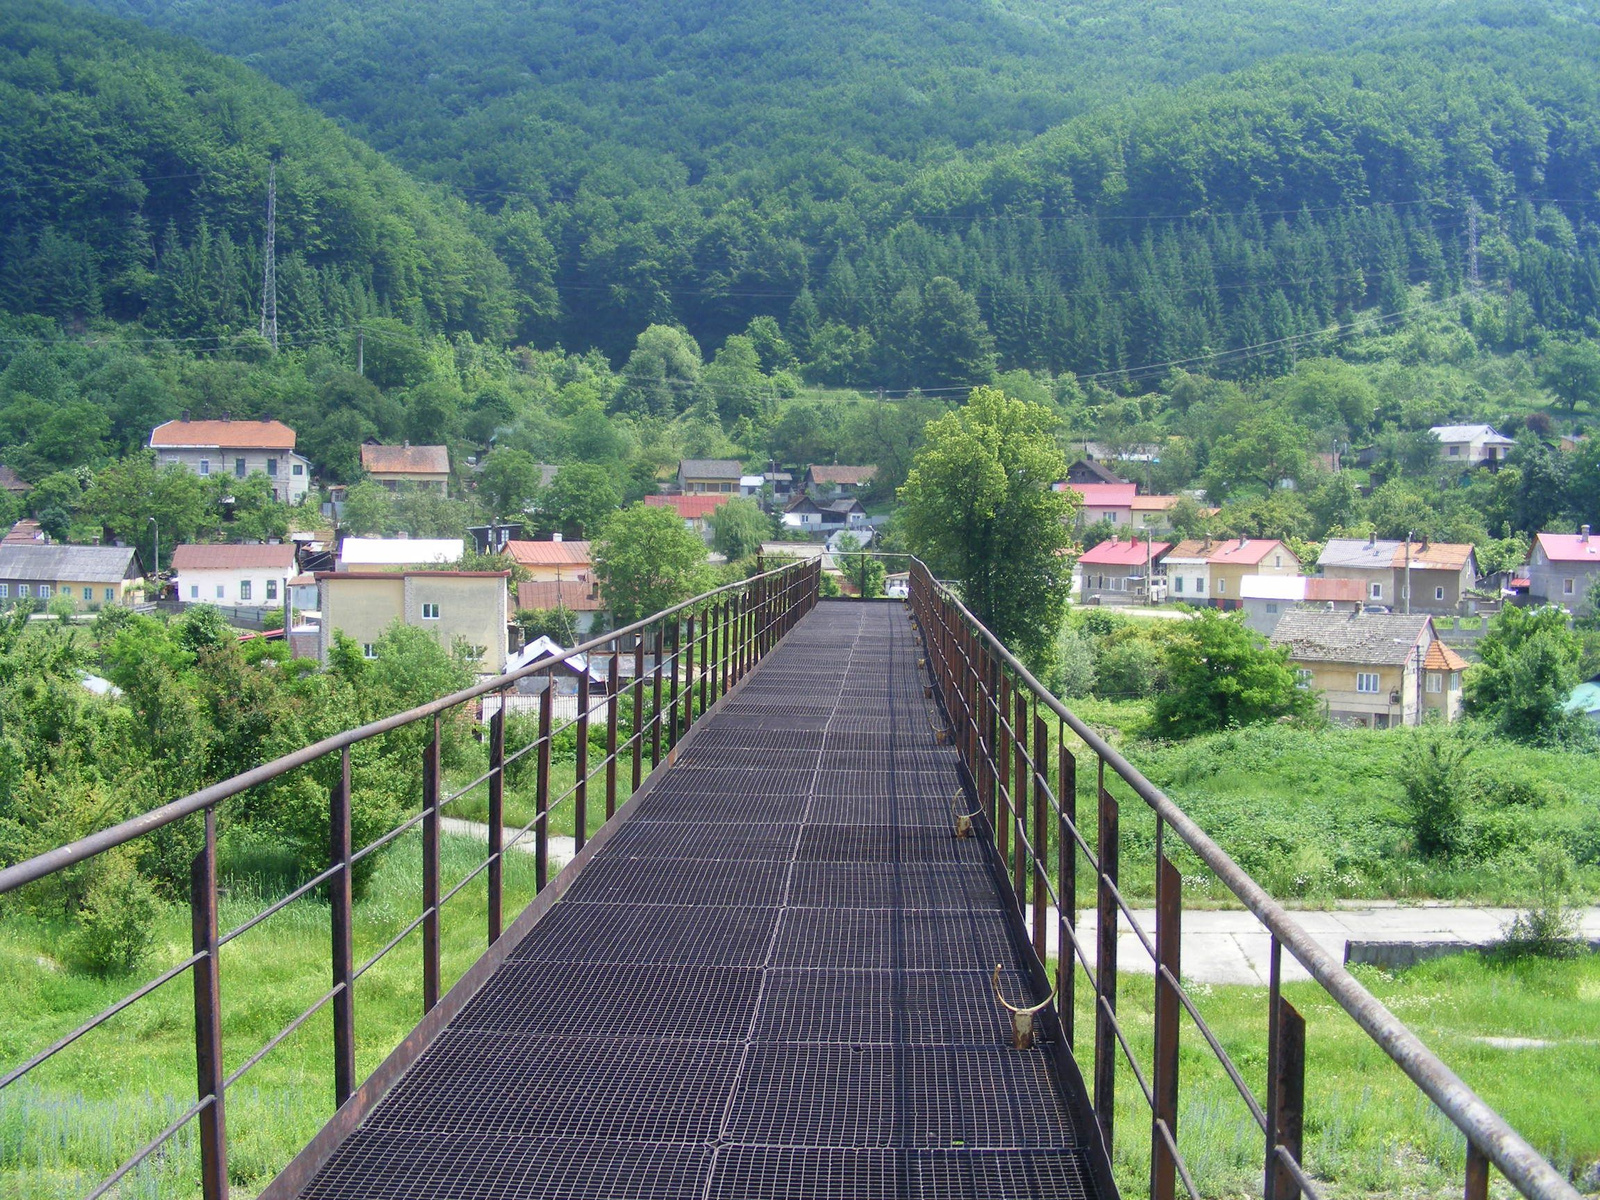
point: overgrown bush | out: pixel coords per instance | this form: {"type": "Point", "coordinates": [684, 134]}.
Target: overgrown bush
{"type": "Point", "coordinates": [1075, 671]}
{"type": "Point", "coordinates": [1548, 928]}
{"type": "Point", "coordinates": [1127, 669]}
{"type": "Point", "coordinates": [1435, 790]}
{"type": "Point", "coordinates": [113, 930]}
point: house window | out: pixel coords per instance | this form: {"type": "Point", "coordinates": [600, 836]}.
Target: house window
{"type": "Point", "coordinates": [1222, 586]}
{"type": "Point", "coordinates": [1435, 683]}
{"type": "Point", "coordinates": [22, 591]}
{"type": "Point", "coordinates": [1302, 677]}
{"type": "Point", "coordinates": [194, 591]}
{"type": "Point", "coordinates": [44, 591]}
{"type": "Point", "coordinates": [88, 593]}
{"type": "Point", "coordinates": [1566, 587]}
{"type": "Point", "coordinates": [205, 466]}
{"type": "Point", "coordinates": [5, 591]}
{"type": "Point", "coordinates": [1455, 451]}
{"type": "Point", "coordinates": [430, 612]}
{"type": "Point", "coordinates": [238, 468]}
{"type": "Point", "coordinates": [1277, 560]}
{"type": "Point", "coordinates": [220, 592]}
{"type": "Point", "coordinates": [368, 650]}
{"type": "Point", "coordinates": [1438, 593]}
{"type": "Point", "coordinates": [244, 589]}
{"type": "Point", "coordinates": [1377, 591]}
{"type": "Point", "coordinates": [111, 594]}
{"type": "Point", "coordinates": [1199, 585]}
{"type": "Point", "coordinates": [1367, 681]}
{"type": "Point", "coordinates": [272, 589]}
{"type": "Point", "coordinates": [172, 460]}
{"type": "Point", "coordinates": [1271, 607]}
{"type": "Point", "coordinates": [1112, 517]}
{"type": "Point", "coordinates": [272, 468]}
{"type": "Point", "coordinates": [297, 469]}
{"type": "Point", "coordinates": [1177, 583]}
{"type": "Point", "coordinates": [1455, 681]}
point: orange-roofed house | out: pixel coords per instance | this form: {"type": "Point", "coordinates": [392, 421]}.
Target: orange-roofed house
{"type": "Point", "coordinates": [553, 562]}
{"type": "Point", "coordinates": [583, 600]}
{"type": "Point", "coordinates": [836, 482]}
{"type": "Point", "coordinates": [1118, 571]}
{"type": "Point", "coordinates": [694, 509]}
{"type": "Point", "coordinates": [1211, 572]}
{"type": "Point", "coordinates": [233, 575]}
{"type": "Point", "coordinates": [237, 450]}
{"type": "Point", "coordinates": [425, 467]}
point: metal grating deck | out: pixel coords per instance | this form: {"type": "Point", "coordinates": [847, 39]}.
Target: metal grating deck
{"type": "Point", "coordinates": [771, 982]}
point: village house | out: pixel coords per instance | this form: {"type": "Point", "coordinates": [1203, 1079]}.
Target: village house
{"type": "Point", "coordinates": [1266, 598]}
{"type": "Point", "coordinates": [1086, 470]}
{"type": "Point", "coordinates": [237, 450]}
{"type": "Point", "coordinates": [554, 561]}
{"type": "Point", "coordinates": [93, 576]}
{"type": "Point", "coordinates": [1150, 513]}
{"type": "Point", "coordinates": [1471, 445]}
{"type": "Point", "coordinates": [693, 509]}
{"type": "Point", "coordinates": [426, 467]}
{"type": "Point", "coordinates": [1370, 563]}
{"type": "Point", "coordinates": [233, 575]}
{"type": "Point", "coordinates": [27, 532]}
{"type": "Point", "coordinates": [1561, 569]}
{"type": "Point", "coordinates": [837, 482]}
{"type": "Point", "coordinates": [1119, 571]}
{"type": "Point", "coordinates": [1378, 670]}
{"type": "Point", "coordinates": [1212, 572]}
{"type": "Point", "coordinates": [718, 475]}
{"type": "Point", "coordinates": [468, 606]}
{"type": "Point", "coordinates": [804, 512]}
{"type": "Point", "coordinates": [362, 553]}
{"type": "Point", "coordinates": [582, 599]}
{"type": "Point", "coordinates": [1440, 573]}
{"type": "Point", "coordinates": [1111, 502]}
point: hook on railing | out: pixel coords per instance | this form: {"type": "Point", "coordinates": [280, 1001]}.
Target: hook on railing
{"type": "Point", "coordinates": [963, 820]}
{"type": "Point", "coordinates": [1021, 1018]}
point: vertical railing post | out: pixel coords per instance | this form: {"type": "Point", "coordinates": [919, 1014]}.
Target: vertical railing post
{"type": "Point", "coordinates": [1041, 839]}
{"type": "Point", "coordinates": [1477, 1180]}
{"type": "Point", "coordinates": [659, 642]}
{"type": "Point", "coordinates": [497, 820]}
{"type": "Point", "coordinates": [725, 645]}
{"type": "Point", "coordinates": [688, 678]}
{"type": "Point", "coordinates": [1000, 817]}
{"type": "Point", "coordinates": [1164, 1077]}
{"type": "Point", "coordinates": [432, 790]}
{"type": "Point", "coordinates": [1286, 1083]}
{"type": "Point", "coordinates": [1019, 796]}
{"type": "Point", "coordinates": [673, 686]}
{"type": "Point", "coordinates": [638, 710]}
{"type": "Point", "coordinates": [209, 1075]}
{"type": "Point", "coordinates": [706, 651]}
{"type": "Point", "coordinates": [1066, 887]}
{"type": "Point", "coordinates": [580, 787]}
{"type": "Point", "coordinates": [611, 732]}
{"type": "Point", "coordinates": [1105, 1038]}
{"type": "Point", "coordinates": [541, 829]}
{"type": "Point", "coordinates": [341, 904]}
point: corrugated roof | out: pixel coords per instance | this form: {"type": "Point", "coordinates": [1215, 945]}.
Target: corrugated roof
{"type": "Point", "coordinates": [1434, 556]}
{"type": "Point", "coordinates": [842, 474]}
{"type": "Point", "coordinates": [550, 554]}
{"type": "Point", "coordinates": [1123, 554]}
{"type": "Point", "coordinates": [1569, 547]}
{"type": "Point", "coordinates": [226, 435]}
{"type": "Point", "coordinates": [32, 562]}
{"type": "Point", "coordinates": [1274, 587]}
{"type": "Point", "coordinates": [400, 552]}
{"type": "Point", "coordinates": [233, 558]}
{"type": "Point", "coordinates": [1153, 503]}
{"type": "Point", "coordinates": [1106, 495]}
{"type": "Point", "coordinates": [1441, 658]}
{"type": "Point", "coordinates": [1468, 433]}
{"type": "Point", "coordinates": [566, 593]}
{"type": "Point", "coordinates": [406, 460]}
{"type": "Point", "coordinates": [1383, 639]}
{"type": "Point", "coordinates": [691, 508]}
{"type": "Point", "coordinates": [1354, 552]}
{"type": "Point", "coordinates": [710, 468]}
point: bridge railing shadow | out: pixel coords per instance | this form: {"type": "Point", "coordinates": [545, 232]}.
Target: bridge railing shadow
{"type": "Point", "coordinates": [644, 685]}
{"type": "Point", "coordinates": [1013, 735]}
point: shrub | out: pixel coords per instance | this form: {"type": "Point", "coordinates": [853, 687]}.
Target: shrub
{"type": "Point", "coordinates": [1435, 788]}
{"type": "Point", "coordinates": [1548, 928]}
{"type": "Point", "coordinates": [1075, 674]}
{"type": "Point", "coordinates": [112, 932]}
{"type": "Point", "coordinates": [1127, 668]}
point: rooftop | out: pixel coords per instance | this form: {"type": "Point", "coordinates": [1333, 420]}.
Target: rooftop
{"type": "Point", "coordinates": [1382, 639]}
{"type": "Point", "coordinates": [1245, 550]}
{"type": "Point", "coordinates": [10, 481]}
{"type": "Point", "coordinates": [1376, 553]}
{"type": "Point", "coordinates": [1470, 433]}
{"type": "Point", "coordinates": [1118, 553]}
{"type": "Point", "coordinates": [225, 434]}
{"type": "Point", "coordinates": [550, 554]}
{"type": "Point", "coordinates": [233, 558]}
{"type": "Point", "coordinates": [400, 552]}
{"type": "Point", "coordinates": [691, 508]}
{"type": "Point", "coordinates": [1103, 495]}
{"type": "Point", "coordinates": [842, 474]}
{"type": "Point", "coordinates": [405, 460]}
{"type": "Point", "coordinates": [566, 593]}
{"type": "Point", "coordinates": [1569, 547]}
{"type": "Point", "coordinates": [1441, 658]}
{"type": "Point", "coordinates": [1153, 503]}
{"type": "Point", "coordinates": [30, 562]}
{"type": "Point", "coordinates": [1434, 556]}
{"type": "Point", "coordinates": [710, 468]}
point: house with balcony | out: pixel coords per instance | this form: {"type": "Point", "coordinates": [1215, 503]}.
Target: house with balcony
{"type": "Point", "coordinates": [236, 576]}
{"type": "Point", "coordinates": [235, 450]}
{"type": "Point", "coordinates": [1378, 670]}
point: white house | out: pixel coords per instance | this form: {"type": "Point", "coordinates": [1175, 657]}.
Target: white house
{"type": "Point", "coordinates": [360, 553]}
{"type": "Point", "coordinates": [238, 576]}
{"type": "Point", "coordinates": [1471, 445]}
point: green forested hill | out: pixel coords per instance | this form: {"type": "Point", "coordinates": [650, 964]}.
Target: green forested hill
{"type": "Point", "coordinates": [135, 168]}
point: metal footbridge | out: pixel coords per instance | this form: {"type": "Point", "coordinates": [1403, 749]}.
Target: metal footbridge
{"type": "Point", "coordinates": [803, 956]}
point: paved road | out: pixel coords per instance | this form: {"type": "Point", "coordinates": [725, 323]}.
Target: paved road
{"type": "Point", "coordinates": [1232, 947]}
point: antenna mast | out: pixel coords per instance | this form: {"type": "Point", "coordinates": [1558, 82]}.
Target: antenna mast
{"type": "Point", "coordinates": [269, 284]}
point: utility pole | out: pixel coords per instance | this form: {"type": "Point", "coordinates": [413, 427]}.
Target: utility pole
{"type": "Point", "coordinates": [269, 283]}
{"type": "Point", "coordinates": [1406, 582]}
{"type": "Point", "coordinates": [156, 525]}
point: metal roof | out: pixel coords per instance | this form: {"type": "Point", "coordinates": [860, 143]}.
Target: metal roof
{"type": "Point", "coordinates": [400, 552]}
{"type": "Point", "coordinates": [1381, 639]}
{"type": "Point", "coordinates": [406, 460]}
{"type": "Point", "coordinates": [1118, 553]}
{"type": "Point", "coordinates": [79, 564]}
{"type": "Point", "coordinates": [710, 468]}
{"type": "Point", "coordinates": [1373, 554]}
{"type": "Point", "coordinates": [233, 558]}
{"type": "Point", "coordinates": [222, 435]}
{"type": "Point", "coordinates": [550, 554]}
{"type": "Point", "coordinates": [1471, 433]}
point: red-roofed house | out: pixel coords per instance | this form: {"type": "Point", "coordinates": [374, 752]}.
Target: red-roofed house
{"type": "Point", "coordinates": [553, 562]}
{"type": "Point", "coordinates": [693, 509]}
{"type": "Point", "coordinates": [233, 575]}
{"type": "Point", "coordinates": [833, 482]}
{"type": "Point", "coordinates": [421, 466]}
{"type": "Point", "coordinates": [237, 449]}
{"type": "Point", "coordinates": [581, 599]}
{"type": "Point", "coordinates": [1561, 569]}
{"type": "Point", "coordinates": [1103, 502]}
{"type": "Point", "coordinates": [1119, 571]}
{"type": "Point", "coordinates": [1212, 572]}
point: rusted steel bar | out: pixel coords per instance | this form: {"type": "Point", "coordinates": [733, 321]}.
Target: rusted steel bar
{"type": "Point", "coordinates": [688, 677]}
{"type": "Point", "coordinates": [497, 820]}
{"type": "Point", "coordinates": [580, 787]}
{"type": "Point", "coordinates": [706, 624]}
{"type": "Point", "coordinates": [341, 906]}
{"type": "Point", "coordinates": [1477, 1181]}
{"type": "Point", "coordinates": [1019, 796]}
{"type": "Point", "coordinates": [659, 644]}
{"type": "Point", "coordinates": [1066, 887]}
{"type": "Point", "coordinates": [673, 684]}
{"type": "Point", "coordinates": [1164, 1075]}
{"type": "Point", "coordinates": [1288, 1113]}
{"type": "Point", "coordinates": [1105, 1061]}
{"type": "Point", "coordinates": [1000, 818]}
{"type": "Point", "coordinates": [432, 789]}
{"type": "Point", "coordinates": [611, 732]}
{"type": "Point", "coordinates": [209, 1074]}
{"type": "Point", "coordinates": [541, 831]}
{"type": "Point", "coordinates": [638, 711]}
{"type": "Point", "coordinates": [1041, 839]}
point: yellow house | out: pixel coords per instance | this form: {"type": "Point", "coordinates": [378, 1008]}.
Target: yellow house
{"type": "Point", "coordinates": [1374, 669]}
{"type": "Point", "coordinates": [451, 605]}
{"type": "Point", "coordinates": [93, 576]}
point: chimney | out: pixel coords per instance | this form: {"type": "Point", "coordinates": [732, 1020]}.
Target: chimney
{"type": "Point", "coordinates": [1584, 531]}
{"type": "Point", "coordinates": [227, 416]}
{"type": "Point", "coordinates": [1116, 538]}
{"type": "Point", "coordinates": [1372, 539]}
{"type": "Point", "coordinates": [556, 536]}
{"type": "Point", "coordinates": [186, 414]}
{"type": "Point", "coordinates": [1243, 541]}
{"type": "Point", "coordinates": [408, 444]}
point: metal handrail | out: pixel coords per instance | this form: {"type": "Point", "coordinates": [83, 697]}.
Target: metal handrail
{"type": "Point", "coordinates": [1488, 1134]}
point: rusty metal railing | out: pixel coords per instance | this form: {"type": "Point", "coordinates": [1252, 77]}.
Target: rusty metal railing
{"type": "Point", "coordinates": [697, 651]}
{"type": "Point", "coordinates": [1000, 718]}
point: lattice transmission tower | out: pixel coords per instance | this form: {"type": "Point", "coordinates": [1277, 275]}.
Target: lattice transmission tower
{"type": "Point", "coordinates": [269, 283]}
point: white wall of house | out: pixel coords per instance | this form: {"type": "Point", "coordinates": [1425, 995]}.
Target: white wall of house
{"type": "Point", "coordinates": [245, 587]}
{"type": "Point", "coordinates": [289, 473]}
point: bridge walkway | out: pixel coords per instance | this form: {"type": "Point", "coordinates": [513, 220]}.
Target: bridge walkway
{"type": "Point", "coordinates": [772, 980]}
